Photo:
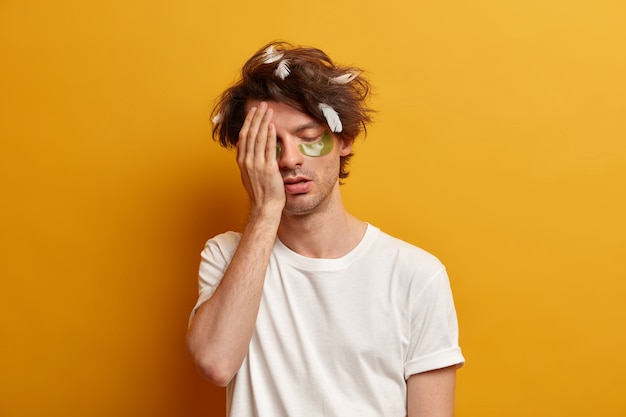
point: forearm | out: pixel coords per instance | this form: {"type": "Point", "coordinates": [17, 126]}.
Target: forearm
{"type": "Point", "coordinates": [220, 332]}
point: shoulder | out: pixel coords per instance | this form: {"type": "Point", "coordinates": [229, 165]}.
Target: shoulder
{"type": "Point", "coordinates": [225, 239]}
{"type": "Point", "coordinates": [224, 243]}
{"type": "Point", "coordinates": [405, 255]}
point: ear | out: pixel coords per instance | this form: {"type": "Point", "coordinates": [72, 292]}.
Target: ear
{"type": "Point", "coordinates": [345, 146]}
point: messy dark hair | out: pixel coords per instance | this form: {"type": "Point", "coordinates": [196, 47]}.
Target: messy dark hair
{"type": "Point", "coordinates": [313, 78]}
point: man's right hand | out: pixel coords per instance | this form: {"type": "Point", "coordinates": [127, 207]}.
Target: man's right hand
{"type": "Point", "coordinates": [256, 157]}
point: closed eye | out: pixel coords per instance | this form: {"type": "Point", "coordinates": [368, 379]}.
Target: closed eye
{"type": "Point", "coordinates": [309, 139]}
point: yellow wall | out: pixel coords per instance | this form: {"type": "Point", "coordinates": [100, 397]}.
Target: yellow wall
{"type": "Point", "coordinates": [500, 145]}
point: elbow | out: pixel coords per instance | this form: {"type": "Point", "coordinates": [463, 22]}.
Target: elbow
{"type": "Point", "coordinates": [214, 373]}
{"type": "Point", "coordinates": [215, 370]}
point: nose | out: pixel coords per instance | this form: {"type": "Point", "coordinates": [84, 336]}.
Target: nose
{"type": "Point", "coordinates": [289, 156]}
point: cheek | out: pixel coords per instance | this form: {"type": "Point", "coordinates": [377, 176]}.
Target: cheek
{"type": "Point", "coordinates": [331, 167]}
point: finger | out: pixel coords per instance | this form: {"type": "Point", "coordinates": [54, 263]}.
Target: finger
{"type": "Point", "coordinates": [243, 132]}
{"type": "Point", "coordinates": [253, 132]}
{"type": "Point", "coordinates": [262, 135]}
{"type": "Point", "coordinates": [270, 148]}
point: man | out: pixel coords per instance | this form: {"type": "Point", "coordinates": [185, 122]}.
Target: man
{"type": "Point", "coordinates": [311, 311]}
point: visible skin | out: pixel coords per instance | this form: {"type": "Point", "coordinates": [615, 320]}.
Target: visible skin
{"type": "Point", "coordinates": [431, 394]}
{"type": "Point", "coordinates": [296, 198]}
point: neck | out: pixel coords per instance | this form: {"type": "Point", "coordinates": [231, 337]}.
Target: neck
{"type": "Point", "coordinates": [328, 233]}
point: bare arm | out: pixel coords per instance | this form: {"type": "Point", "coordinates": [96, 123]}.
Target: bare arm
{"type": "Point", "coordinates": [431, 394]}
{"type": "Point", "coordinates": [220, 332]}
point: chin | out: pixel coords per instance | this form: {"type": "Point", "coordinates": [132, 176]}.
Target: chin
{"type": "Point", "coordinates": [298, 209]}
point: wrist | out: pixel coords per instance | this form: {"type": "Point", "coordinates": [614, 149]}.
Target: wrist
{"type": "Point", "coordinates": [268, 214]}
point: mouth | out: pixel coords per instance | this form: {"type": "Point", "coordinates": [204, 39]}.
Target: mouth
{"type": "Point", "coordinates": [297, 185]}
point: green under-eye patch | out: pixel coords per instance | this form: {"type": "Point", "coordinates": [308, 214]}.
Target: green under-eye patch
{"type": "Point", "coordinates": [320, 148]}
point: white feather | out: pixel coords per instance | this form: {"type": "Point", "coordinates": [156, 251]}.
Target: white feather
{"type": "Point", "coordinates": [332, 118]}
{"type": "Point", "coordinates": [282, 71]}
{"type": "Point", "coordinates": [217, 119]}
{"type": "Point", "coordinates": [345, 78]}
{"type": "Point", "coordinates": [272, 55]}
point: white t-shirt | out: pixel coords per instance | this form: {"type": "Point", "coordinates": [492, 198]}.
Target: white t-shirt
{"type": "Point", "coordinates": [340, 337]}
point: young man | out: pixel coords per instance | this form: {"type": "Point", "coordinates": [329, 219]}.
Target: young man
{"type": "Point", "coordinates": [311, 311]}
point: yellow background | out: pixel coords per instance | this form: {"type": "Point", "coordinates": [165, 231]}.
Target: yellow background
{"type": "Point", "coordinates": [499, 145]}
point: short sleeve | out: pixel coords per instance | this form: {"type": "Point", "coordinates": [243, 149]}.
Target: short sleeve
{"type": "Point", "coordinates": [434, 330]}
{"type": "Point", "coordinates": [214, 260]}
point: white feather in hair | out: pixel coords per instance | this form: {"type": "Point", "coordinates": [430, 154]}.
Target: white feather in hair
{"type": "Point", "coordinates": [271, 55]}
{"type": "Point", "coordinates": [282, 71]}
{"type": "Point", "coordinates": [332, 118]}
{"type": "Point", "coordinates": [345, 78]}
{"type": "Point", "coordinates": [217, 119]}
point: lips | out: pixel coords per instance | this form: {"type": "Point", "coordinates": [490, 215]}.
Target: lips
{"type": "Point", "coordinates": [297, 185]}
